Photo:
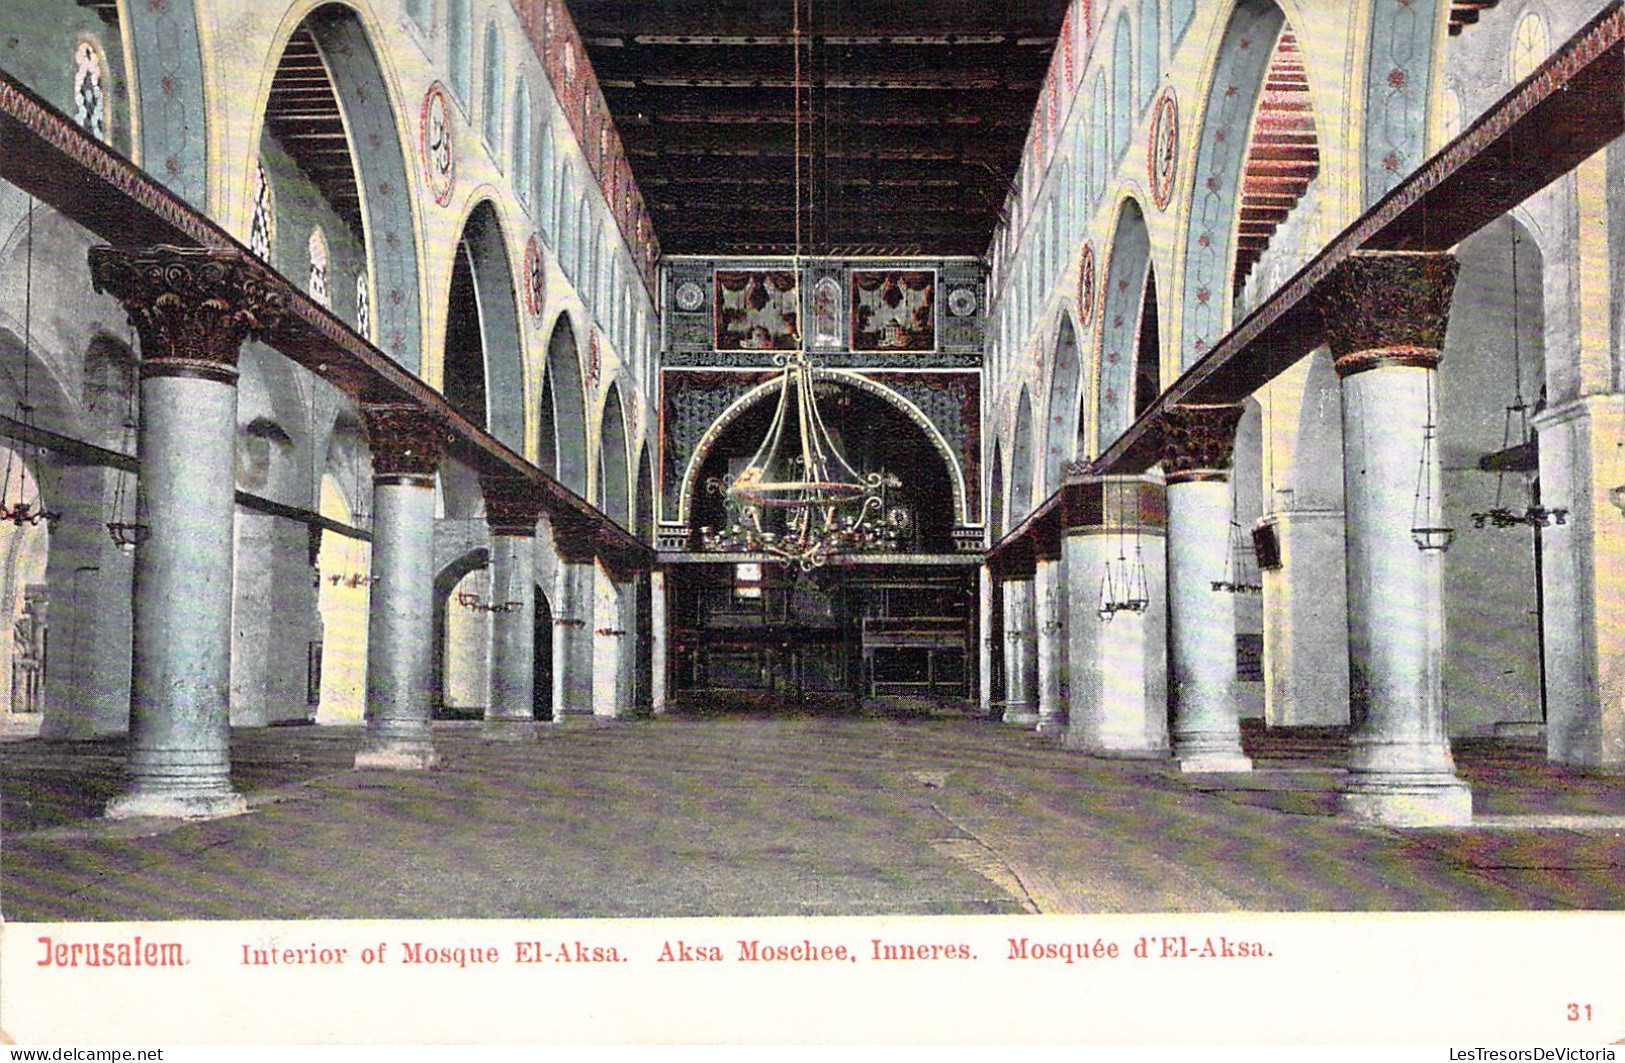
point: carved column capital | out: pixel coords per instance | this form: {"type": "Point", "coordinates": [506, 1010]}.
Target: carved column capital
{"type": "Point", "coordinates": [1197, 442]}
{"type": "Point", "coordinates": [192, 308]}
{"type": "Point", "coordinates": [407, 441]}
{"type": "Point", "coordinates": [1383, 308]}
{"type": "Point", "coordinates": [513, 505]}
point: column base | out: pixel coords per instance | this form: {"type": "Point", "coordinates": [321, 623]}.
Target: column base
{"type": "Point", "coordinates": [1409, 801]}
{"type": "Point", "coordinates": [177, 806]}
{"type": "Point", "coordinates": [1051, 725]}
{"type": "Point", "coordinates": [1018, 714]}
{"type": "Point", "coordinates": [1203, 763]}
{"type": "Point", "coordinates": [509, 728]}
{"type": "Point", "coordinates": [1114, 748]}
{"type": "Point", "coordinates": [1211, 754]}
{"type": "Point", "coordinates": [397, 757]}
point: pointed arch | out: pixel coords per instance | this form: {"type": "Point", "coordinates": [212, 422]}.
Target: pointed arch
{"type": "Point", "coordinates": [643, 515]}
{"type": "Point", "coordinates": [1062, 433]}
{"type": "Point", "coordinates": [614, 493]}
{"type": "Point", "coordinates": [1128, 260]}
{"type": "Point", "coordinates": [1021, 459]}
{"type": "Point", "coordinates": [770, 389]}
{"type": "Point", "coordinates": [386, 217]}
{"type": "Point", "coordinates": [484, 372]}
{"type": "Point", "coordinates": [568, 406]}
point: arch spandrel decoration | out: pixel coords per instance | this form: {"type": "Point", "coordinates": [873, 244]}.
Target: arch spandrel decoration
{"type": "Point", "coordinates": [769, 387]}
{"type": "Point", "coordinates": [1242, 60]}
{"type": "Point", "coordinates": [1398, 71]}
{"type": "Point", "coordinates": [165, 50]}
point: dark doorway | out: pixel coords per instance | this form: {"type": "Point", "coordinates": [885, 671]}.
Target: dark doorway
{"type": "Point", "coordinates": [542, 696]}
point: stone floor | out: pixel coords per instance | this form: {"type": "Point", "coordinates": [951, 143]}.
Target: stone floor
{"type": "Point", "coordinates": [883, 811]}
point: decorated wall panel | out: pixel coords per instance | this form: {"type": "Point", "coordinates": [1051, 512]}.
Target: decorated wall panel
{"type": "Point", "coordinates": [894, 310]}
{"type": "Point", "coordinates": [756, 310]}
{"type": "Point", "coordinates": [913, 314]}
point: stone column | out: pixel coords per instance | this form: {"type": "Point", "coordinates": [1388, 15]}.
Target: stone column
{"type": "Point", "coordinates": [192, 310]}
{"type": "Point", "coordinates": [512, 509]}
{"type": "Point", "coordinates": [1197, 443]}
{"type": "Point", "coordinates": [1306, 634]}
{"type": "Point", "coordinates": [614, 643]}
{"type": "Point", "coordinates": [658, 636]}
{"type": "Point", "coordinates": [987, 602]}
{"type": "Point", "coordinates": [1050, 614]}
{"type": "Point", "coordinates": [1020, 652]}
{"type": "Point", "coordinates": [1386, 314]}
{"type": "Point", "coordinates": [1583, 601]}
{"type": "Point", "coordinates": [574, 609]}
{"type": "Point", "coordinates": [1118, 671]}
{"type": "Point", "coordinates": [407, 443]}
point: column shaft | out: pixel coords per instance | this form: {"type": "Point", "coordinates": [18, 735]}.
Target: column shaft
{"type": "Point", "coordinates": [573, 638]}
{"type": "Point", "coordinates": [407, 443]}
{"type": "Point", "coordinates": [513, 630]}
{"type": "Point", "coordinates": [1197, 445]}
{"type": "Point", "coordinates": [400, 626]}
{"type": "Point", "coordinates": [193, 309]}
{"type": "Point", "coordinates": [657, 628]}
{"type": "Point", "coordinates": [1020, 654]}
{"type": "Point", "coordinates": [179, 760]}
{"type": "Point", "coordinates": [1050, 601]}
{"type": "Point", "coordinates": [986, 602]}
{"type": "Point", "coordinates": [1202, 629]}
{"type": "Point", "coordinates": [1386, 319]}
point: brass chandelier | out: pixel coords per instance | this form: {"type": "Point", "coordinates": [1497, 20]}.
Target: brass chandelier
{"type": "Point", "coordinates": [798, 499]}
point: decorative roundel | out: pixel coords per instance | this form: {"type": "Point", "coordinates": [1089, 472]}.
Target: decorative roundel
{"type": "Point", "coordinates": [435, 133]}
{"type": "Point", "coordinates": [535, 276]}
{"type": "Point", "coordinates": [962, 302]}
{"type": "Point", "coordinates": [1163, 150]}
{"type": "Point", "coordinates": [690, 296]}
{"type": "Point", "coordinates": [1086, 284]}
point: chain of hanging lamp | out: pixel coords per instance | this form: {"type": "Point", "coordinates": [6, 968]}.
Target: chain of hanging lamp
{"type": "Point", "coordinates": [798, 499]}
{"type": "Point", "coordinates": [15, 506]}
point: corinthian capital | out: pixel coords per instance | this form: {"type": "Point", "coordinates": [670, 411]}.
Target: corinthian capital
{"type": "Point", "coordinates": [192, 308]}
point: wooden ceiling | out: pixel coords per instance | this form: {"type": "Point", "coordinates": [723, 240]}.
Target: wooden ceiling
{"type": "Point", "coordinates": [916, 115]}
{"type": "Point", "coordinates": [303, 115]}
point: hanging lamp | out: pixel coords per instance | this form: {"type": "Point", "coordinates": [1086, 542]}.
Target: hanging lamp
{"type": "Point", "coordinates": [15, 506]}
{"type": "Point", "coordinates": [125, 527]}
{"type": "Point", "coordinates": [798, 499]}
{"type": "Point", "coordinates": [1429, 538]}
{"type": "Point", "coordinates": [1534, 515]}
